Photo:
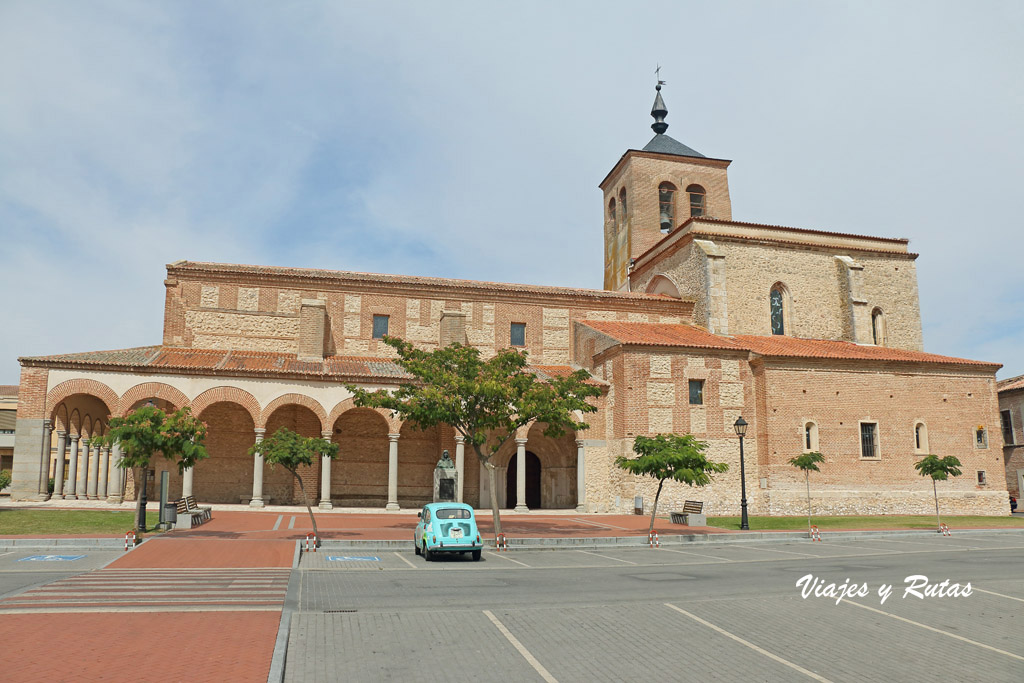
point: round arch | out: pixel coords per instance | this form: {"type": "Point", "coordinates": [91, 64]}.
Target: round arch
{"type": "Point", "coordinates": [67, 389]}
{"type": "Point", "coordinates": [227, 394]}
{"type": "Point", "coordinates": [297, 400]}
{"type": "Point", "coordinates": [147, 390]}
{"type": "Point", "coordinates": [393, 423]}
{"type": "Point", "coordinates": [662, 284]}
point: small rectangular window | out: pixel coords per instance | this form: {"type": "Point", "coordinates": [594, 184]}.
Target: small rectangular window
{"type": "Point", "coordinates": [981, 437]}
{"type": "Point", "coordinates": [696, 392]}
{"type": "Point", "coordinates": [517, 334]}
{"type": "Point", "coordinates": [982, 479]}
{"type": "Point", "coordinates": [1007, 421]}
{"type": "Point", "coordinates": [380, 326]}
{"type": "Point", "coordinates": [868, 439]}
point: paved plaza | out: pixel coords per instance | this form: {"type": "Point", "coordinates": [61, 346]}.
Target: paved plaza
{"type": "Point", "coordinates": [245, 605]}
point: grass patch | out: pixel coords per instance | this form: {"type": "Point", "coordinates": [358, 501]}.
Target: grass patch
{"type": "Point", "coordinates": [76, 522]}
{"type": "Point", "coordinates": [868, 522]}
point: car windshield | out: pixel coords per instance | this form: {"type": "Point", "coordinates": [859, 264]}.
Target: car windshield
{"type": "Point", "coordinates": [453, 513]}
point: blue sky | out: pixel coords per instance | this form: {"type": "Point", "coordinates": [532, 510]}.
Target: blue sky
{"type": "Point", "coordinates": [467, 140]}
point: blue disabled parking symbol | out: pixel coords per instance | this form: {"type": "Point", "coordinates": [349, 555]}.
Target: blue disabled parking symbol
{"type": "Point", "coordinates": [346, 558]}
{"type": "Point", "coordinates": [51, 558]}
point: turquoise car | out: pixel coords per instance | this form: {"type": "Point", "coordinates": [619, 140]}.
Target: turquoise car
{"type": "Point", "coordinates": [447, 528]}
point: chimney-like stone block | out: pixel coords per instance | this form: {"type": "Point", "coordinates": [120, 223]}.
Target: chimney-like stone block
{"type": "Point", "coordinates": [312, 320]}
{"type": "Point", "coordinates": [453, 328]}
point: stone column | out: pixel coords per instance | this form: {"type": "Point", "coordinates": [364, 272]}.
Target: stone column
{"type": "Point", "coordinates": [94, 474]}
{"type": "Point", "coordinates": [581, 478]}
{"type": "Point", "coordinates": [72, 469]}
{"type": "Point", "coordinates": [44, 460]}
{"type": "Point", "coordinates": [58, 468]}
{"type": "Point", "coordinates": [83, 472]}
{"type": "Point", "coordinates": [116, 495]}
{"type": "Point", "coordinates": [325, 477]}
{"type": "Point", "coordinates": [186, 482]}
{"type": "Point", "coordinates": [392, 473]}
{"type": "Point", "coordinates": [104, 480]}
{"type": "Point", "coordinates": [257, 474]}
{"type": "Point", "coordinates": [460, 464]}
{"type": "Point", "coordinates": [521, 476]}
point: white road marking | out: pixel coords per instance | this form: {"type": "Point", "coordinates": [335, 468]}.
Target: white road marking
{"type": "Point", "coordinates": [933, 629]}
{"type": "Point", "coordinates": [291, 524]}
{"type": "Point", "coordinates": [606, 557]}
{"type": "Point", "coordinates": [789, 552]}
{"type": "Point", "coordinates": [509, 559]}
{"type": "Point", "coordinates": [538, 667]}
{"type": "Point", "coordinates": [747, 643]}
{"type": "Point", "coordinates": [982, 590]}
{"type": "Point", "coordinates": [606, 526]}
{"type": "Point", "coordinates": [277, 524]}
{"type": "Point", "coordinates": [403, 559]}
{"type": "Point", "coordinates": [713, 557]}
{"type": "Point", "coordinates": [854, 546]}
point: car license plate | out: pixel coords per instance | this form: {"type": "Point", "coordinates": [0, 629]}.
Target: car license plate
{"type": "Point", "coordinates": [456, 533]}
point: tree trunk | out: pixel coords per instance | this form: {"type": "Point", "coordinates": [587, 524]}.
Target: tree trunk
{"type": "Point", "coordinates": [139, 476]}
{"type": "Point", "coordinates": [654, 508]}
{"type": "Point", "coordinates": [807, 480]}
{"type": "Point", "coordinates": [492, 481]}
{"type": "Point", "coordinates": [936, 492]}
{"type": "Point", "coordinates": [305, 499]}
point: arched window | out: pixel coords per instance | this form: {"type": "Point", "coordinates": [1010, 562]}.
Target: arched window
{"type": "Point", "coordinates": [810, 436]}
{"type": "Point", "coordinates": [920, 437]}
{"type": "Point", "coordinates": [611, 215]}
{"type": "Point", "coordinates": [878, 327]}
{"type": "Point", "coordinates": [623, 216]}
{"type": "Point", "coordinates": [777, 301]}
{"type": "Point", "coordinates": [666, 206]}
{"type": "Point", "coordinates": [697, 196]}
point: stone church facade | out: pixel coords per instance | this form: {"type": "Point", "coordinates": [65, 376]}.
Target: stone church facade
{"type": "Point", "coordinates": [813, 337]}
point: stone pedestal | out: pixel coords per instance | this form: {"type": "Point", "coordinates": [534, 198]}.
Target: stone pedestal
{"type": "Point", "coordinates": [446, 479]}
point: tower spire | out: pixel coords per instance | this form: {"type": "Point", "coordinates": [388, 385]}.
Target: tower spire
{"type": "Point", "coordinates": [659, 111]}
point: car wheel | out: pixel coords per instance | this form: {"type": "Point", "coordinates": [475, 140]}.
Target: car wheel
{"type": "Point", "coordinates": [427, 555]}
{"type": "Point", "coordinates": [415, 547]}
{"type": "Point", "coordinates": [476, 555]}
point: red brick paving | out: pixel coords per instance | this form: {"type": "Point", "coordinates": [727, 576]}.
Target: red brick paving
{"type": "Point", "coordinates": [206, 553]}
{"type": "Point", "coordinates": [182, 646]}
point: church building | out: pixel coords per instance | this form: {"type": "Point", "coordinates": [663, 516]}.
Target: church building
{"type": "Point", "coordinates": [812, 337]}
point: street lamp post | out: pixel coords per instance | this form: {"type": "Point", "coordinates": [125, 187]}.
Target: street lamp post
{"type": "Point", "coordinates": [741, 430]}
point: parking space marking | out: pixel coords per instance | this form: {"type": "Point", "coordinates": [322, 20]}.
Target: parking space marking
{"type": "Point", "coordinates": [933, 629]}
{"type": "Point", "coordinates": [604, 526]}
{"type": "Point", "coordinates": [982, 590]}
{"type": "Point", "coordinates": [277, 524]}
{"type": "Point", "coordinates": [789, 552]}
{"type": "Point", "coordinates": [607, 557]}
{"type": "Point", "coordinates": [509, 559]}
{"type": "Point", "coordinates": [404, 559]}
{"type": "Point", "coordinates": [291, 524]}
{"type": "Point", "coordinates": [713, 557]}
{"type": "Point", "coordinates": [747, 643]}
{"type": "Point", "coordinates": [854, 546]}
{"type": "Point", "coordinates": [538, 667]}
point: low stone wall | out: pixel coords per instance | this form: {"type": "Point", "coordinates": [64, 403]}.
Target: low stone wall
{"type": "Point", "coordinates": [852, 502]}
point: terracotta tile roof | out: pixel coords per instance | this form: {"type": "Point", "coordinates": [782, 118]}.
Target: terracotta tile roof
{"type": "Point", "coordinates": [1010, 384]}
{"type": "Point", "coordinates": [222, 362]}
{"type": "Point", "coordinates": [795, 347]}
{"type": "Point", "coordinates": [9, 390]}
{"type": "Point", "coordinates": [689, 336]}
{"type": "Point", "coordinates": [663, 334]}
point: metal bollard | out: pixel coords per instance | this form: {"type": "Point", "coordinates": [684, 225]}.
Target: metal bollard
{"type": "Point", "coordinates": [815, 534]}
{"type": "Point", "coordinates": [501, 543]}
{"type": "Point", "coordinates": [311, 537]}
{"type": "Point", "coordinates": [129, 540]}
{"type": "Point", "coordinates": [652, 539]}
{"type": "Point", "coordinates": [944, 530]}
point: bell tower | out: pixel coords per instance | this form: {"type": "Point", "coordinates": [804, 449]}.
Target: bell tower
{"type": "Point", "coordinates": [652, 191]}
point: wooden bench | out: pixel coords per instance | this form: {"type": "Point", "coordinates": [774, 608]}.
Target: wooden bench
{"type": "Point", "coordinates": [692, 514]}
{"type": "Point", "coordinates": [190, 514]}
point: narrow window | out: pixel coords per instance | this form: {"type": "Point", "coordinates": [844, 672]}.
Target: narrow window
{"type": "Point", "coordinates": [666, 208]}
{"type": "Point", "coordinates": [981, 437]}
{"type": "Point", "coordinates": [696, 392]}
{"type": "Point", "coordinates": [697, 196]}
{"type": "Point", "coordinates": [878, 327]}
{"type": "Point", "coordinates": [982, 479]}
{"type": "Point", "coordinates": [921, 437]}
{"type": "Point", "coordinates": [517, 334]}
{"type": "Point", "coordinates": [1007, 421]}
{"type": "Point", "coordinates": [778, 312]}
{"type": "Point", "coordinates": [611, 214]}
{"type": "Point", "coordinates": [623, 212]}
{"type": "Point", "coordinates": [380, 326]}
{"type": "Point", "coordinates": [811, 436]}
{"type": "Point", "coordinates": [868, 439]}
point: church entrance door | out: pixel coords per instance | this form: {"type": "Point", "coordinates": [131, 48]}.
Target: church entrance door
{"type": "Point", "coordinates": [532, 481]}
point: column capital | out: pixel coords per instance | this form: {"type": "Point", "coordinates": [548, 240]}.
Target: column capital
{"type": "Point", "coordinates": [460, 439]}
{"type": "Point", "coordinates": [75, 437]}
{"type": "Point", "coordinates": [85, 441]}
{"type": "Point", "coordinates": [47, 424]}
{"type": "Point", "coordinates": [260, 431]}
{"type": "Point", "coordinates": [106, 449]}
{"type": "Point", "coordinates": [579, 443]}
{"type": "Point", "coordinates": [327, 434]}
{"type": "Point", "coordinates": [521, 442]}
{"type": "Point", "coordinates": [393, 438]}
{"type": "Point", "coordinates": [61, 432]}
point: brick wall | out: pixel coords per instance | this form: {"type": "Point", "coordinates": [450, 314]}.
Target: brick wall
{"type": "Point", "coordinates": [1013, 455]}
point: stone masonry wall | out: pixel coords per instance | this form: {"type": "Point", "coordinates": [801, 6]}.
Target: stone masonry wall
{"type": "Point", "coordinates": [1013, 454]}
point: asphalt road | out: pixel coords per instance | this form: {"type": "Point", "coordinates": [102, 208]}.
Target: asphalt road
{"type": "Point", "coordinates": [726, 612]}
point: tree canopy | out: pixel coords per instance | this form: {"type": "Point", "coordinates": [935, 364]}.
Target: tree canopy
{"type": "Point", "coordinates": [939, 469]}
{"type": "Point", "coordinates": [808, 462]}
{"type": "Point", "coordinates": [485, 400]}
{"type": "Point", "coordinates": [671, 456]}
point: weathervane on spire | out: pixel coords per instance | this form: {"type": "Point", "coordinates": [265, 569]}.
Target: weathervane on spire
{"type": "Point", "coordinates": [659, 111]}
{"type": "Point", "coordinates": [657, 74]}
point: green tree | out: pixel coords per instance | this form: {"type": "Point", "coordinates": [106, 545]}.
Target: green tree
{"type": "Point", "coordinates": [939, 469]}
{"type": "Point", "coordinates": [808, 462]}
{"type": "Point", "coordinates": [671, 456]}
{"type": "Point", "coordinates": [292, 451]}
{"type": "Point", "coordinates": [485, 401]}
{"type": "Point", "coordinates": [148, 430]}
{"type": "Point", "coordinates": [5, 479]}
